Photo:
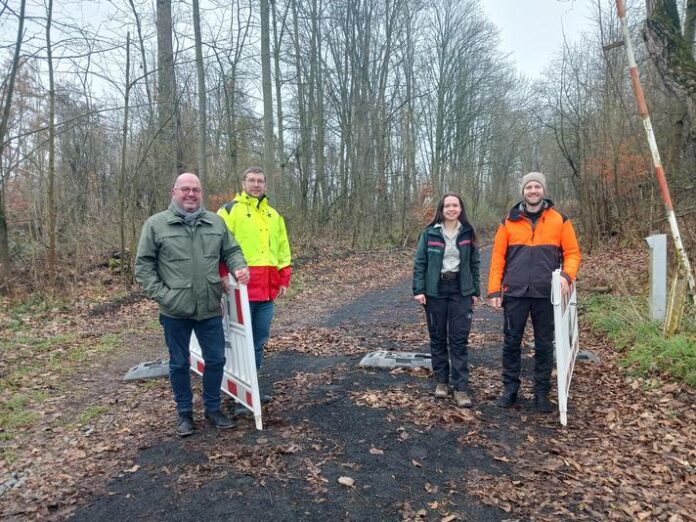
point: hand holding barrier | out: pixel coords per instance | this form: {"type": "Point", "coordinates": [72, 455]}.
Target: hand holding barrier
{"type": "Point", "coordinates": [565, 314]}
{"type": "Point", "coordinates": [239, 380]}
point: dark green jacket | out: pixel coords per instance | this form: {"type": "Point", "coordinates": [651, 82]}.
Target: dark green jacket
{"type": "Point", "coordinates": [428, 262]}
{"type": "Point", "coordinates": [177, 264]}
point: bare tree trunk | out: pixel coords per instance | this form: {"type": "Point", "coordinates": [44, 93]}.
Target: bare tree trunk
{"type": "Point", "coordinates": [202, 101]}
{"type": "Point", "coordinates": [268, 148]}
{"type": "Point", "coordinates": [303, 159]}
{"type": "Point", "coordinates": [166, 104]}
{"type": "Point", "coordinates": [141, 43]}
{"type": "Point", "coordinates": [277, 40]}
{"type": "Point", "coordinates": [318, 115]}
{"type": "Point", "coordinates": [671, 48]}
{"type": "Point", "coordinates": [125, 260]}
{"type": "Point", "coordinates": [4, 235]}
{"type": "Point", "coordinates": [51, 261]}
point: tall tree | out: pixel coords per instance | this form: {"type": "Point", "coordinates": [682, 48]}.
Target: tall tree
{"type": "Point", "coordinates": [122, 177]}
{"type": "Point", "coordinates": [4, 124]}
{"type": "Point", "coordinates": [202, 100]}
{"type": "Point", "coordinates": [268, 146]}
{"type": "Point", "coordinates": [277, 41]}
{"type": "Point", "coordinates": [671, 47]}
{"type": "Point", "coordinates": [52, 204]}
{"type": "Point", "coordinates": [167, 156]}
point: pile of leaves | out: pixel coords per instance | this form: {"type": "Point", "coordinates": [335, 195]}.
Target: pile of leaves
{"type": "Point", "coordinates": [316, 341]}
{"type": "Point", "coordinates": [417, 407]}
{"type": "Point", "coordinates": [617, 271]}
{"type": "Point", "coordinates": [293, 392]}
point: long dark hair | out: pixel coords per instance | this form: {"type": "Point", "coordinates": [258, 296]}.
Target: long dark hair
{"type": "Point", "coordinates": [463, 219]}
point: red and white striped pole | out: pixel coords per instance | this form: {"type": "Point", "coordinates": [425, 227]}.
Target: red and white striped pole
{"type": "Point", "coordinates": [657, 163]}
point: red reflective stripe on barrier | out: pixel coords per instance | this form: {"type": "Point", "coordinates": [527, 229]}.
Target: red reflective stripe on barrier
{"type": "Point", "coordinates": [200, 366]}
{"type": "Point", "coordinates": [249, 400]}
{"type": "Point", "coordinates": [238, 302]}
{"type": "Point", "coordinates": [232, 387]}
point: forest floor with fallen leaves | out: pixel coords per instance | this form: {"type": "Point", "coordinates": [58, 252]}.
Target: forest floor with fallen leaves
{"type": "Point", "coordinates": [339, 442]}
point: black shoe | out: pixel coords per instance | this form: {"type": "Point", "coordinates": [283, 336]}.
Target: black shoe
{"type": "Point", "coordinates": [507, 400]}
{"type": "Point", "coordinates": [265, 399]}
{"type": "Point", "coordinates": [219, 420]}
{"type": "Point", "coordinates": [241, 411]}
{"type": "Point", "coordinates": [542, 404]}
{"type": "Point", "coordinates": [184, 425]}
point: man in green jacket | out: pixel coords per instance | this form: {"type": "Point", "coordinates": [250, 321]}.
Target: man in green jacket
{"type": "Point", "coordinates": [177, 266]}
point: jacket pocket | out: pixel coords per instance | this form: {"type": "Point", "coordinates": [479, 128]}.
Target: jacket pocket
{"type": "Point", "coordinates": [214, 292]}
{"type": "Point", "coordinates": [176, 246]}
{"type": "Point", "coordinates": [179, 302]}
{"type": "Point", "coordinates": [211, 243]}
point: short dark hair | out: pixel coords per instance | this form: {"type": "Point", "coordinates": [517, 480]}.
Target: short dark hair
{"type": "Point", "coordinates": [253, 170]}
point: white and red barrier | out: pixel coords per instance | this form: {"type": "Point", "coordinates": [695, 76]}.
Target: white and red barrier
{"type": "Point", "coordinates": [239, 380]}
{"type": "Point", "coordinates": [565, 314]}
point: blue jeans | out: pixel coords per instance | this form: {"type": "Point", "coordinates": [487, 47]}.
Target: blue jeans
{"type": "Point", "coordinates": [211, 337]}
{"type": "Point", "coordinates": [261, 317]}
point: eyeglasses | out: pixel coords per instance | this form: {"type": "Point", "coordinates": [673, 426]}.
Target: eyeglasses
{"type": "Point", "coordinates": [186, 190]}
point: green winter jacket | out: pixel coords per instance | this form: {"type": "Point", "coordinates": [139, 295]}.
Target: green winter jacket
{"type": "Point", "coordinates": [177, 264]}
{"type": "Point", "coordinates": [428, 262]}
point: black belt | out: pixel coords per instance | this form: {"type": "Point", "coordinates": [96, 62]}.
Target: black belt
{"type": "Point", "coordinates": [449, 276]}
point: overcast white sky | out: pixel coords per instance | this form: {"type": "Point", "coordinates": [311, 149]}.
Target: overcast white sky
{"type": "Point", "coordinates": [532, 30]}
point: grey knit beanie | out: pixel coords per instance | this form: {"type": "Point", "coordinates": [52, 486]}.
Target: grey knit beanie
{"type": "Point", "coordinates": [533, 176]}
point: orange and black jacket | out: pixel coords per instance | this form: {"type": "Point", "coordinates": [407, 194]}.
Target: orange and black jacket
{"type": "Point", "coordinates": [525, 254]}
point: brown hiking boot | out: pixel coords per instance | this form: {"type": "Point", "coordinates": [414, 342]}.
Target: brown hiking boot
{"type": "Point", "coordinates": [462, 399]}
{"type": "Point", "coordinates": [441, 390]}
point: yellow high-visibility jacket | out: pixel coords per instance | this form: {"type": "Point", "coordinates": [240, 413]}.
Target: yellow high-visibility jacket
{"type": "Point", "coordinates": [260, 231]}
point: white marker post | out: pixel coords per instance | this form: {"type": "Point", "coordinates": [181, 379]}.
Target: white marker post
{"type": "Point", "coordinates": [658, 276]}
{"type": "Point", "coordinates": [239, 380]}
{"type": "Point", "coordinates": [565, 314]}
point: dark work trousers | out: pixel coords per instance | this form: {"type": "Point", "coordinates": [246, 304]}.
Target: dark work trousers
{"type": "Point", "coordinates": [516, 311]}
{"type": "Point", "coordinates": [449, 319]}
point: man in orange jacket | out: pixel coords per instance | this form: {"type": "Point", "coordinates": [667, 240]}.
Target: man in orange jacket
{"type": "Point", "coordinates": [532, 241]}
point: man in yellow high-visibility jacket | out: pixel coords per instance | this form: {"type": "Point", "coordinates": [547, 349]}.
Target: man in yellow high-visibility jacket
{"type": "Point", "coordinates": [260, 231]}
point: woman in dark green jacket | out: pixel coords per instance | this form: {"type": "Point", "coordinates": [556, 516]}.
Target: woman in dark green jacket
{"type": "Point", "coordinates": [446, 283]}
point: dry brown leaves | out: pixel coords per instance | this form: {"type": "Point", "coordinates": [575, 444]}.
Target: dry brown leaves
{"type": "Point", "coordinates": [86, 424]}
{"type": "Point", "coordinates": [622, 271]}
{"type": "Point", "coordinates": [417, 407]}
{"type": "Point", "coordinates": [317, 341]}
{"type": "Point", "coordinates": [293, 392]}
{"type": "Point", "coordinates": [58, 462]}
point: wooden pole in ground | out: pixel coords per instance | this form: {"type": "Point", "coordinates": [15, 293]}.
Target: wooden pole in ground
{"type": "Point", "coordinates": [684, 264]}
